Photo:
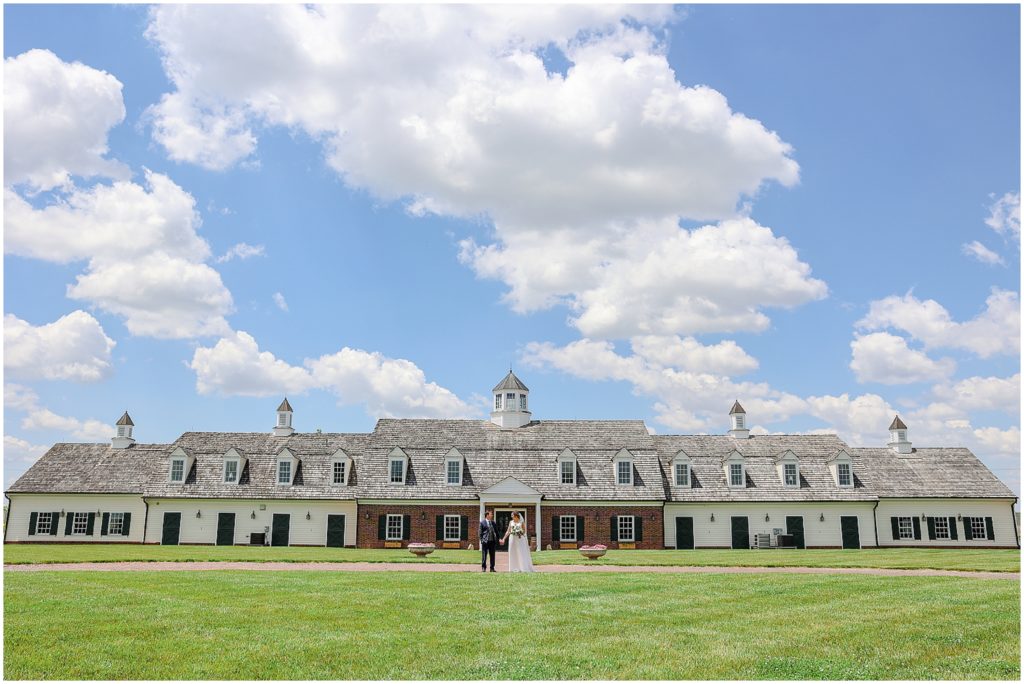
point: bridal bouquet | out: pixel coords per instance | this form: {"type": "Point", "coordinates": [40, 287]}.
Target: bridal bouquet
{"type": "Point", "coordinates": [516, 530]}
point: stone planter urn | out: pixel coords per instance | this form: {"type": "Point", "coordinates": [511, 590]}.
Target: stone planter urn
{"type": "Point", "coordinates": [593, 552]}
{"type": "Point", "coordinates": [421, 550]}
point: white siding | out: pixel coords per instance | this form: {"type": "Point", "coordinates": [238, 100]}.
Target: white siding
{"type": "Point", "coordinates": [203, 530]}
{"type": "Point", "coordinates": [718, 534]}
{"type": "Point", "coordinates": [1000, 510]}
{"type": "Point", "coordinates": [23, 505]}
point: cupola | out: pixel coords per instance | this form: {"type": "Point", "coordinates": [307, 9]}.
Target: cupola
{"type": "Point", "coordinates": [511, 403]}
{"type": "Point", "coordinates": [123, 439]}
{"type": "Point", "coordinates": [898, 441]}
{"type": "Point", "coordinates": [738, 417]}
{"type": "Point", "coordinates": [283, 428]}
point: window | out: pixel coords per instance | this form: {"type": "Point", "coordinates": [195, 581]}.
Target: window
{"type": "Point", "coordinates": [567, 528]}
{"type": "Point", "coordinates": [44, 523]}
{"type": "Point", "coordinates": [231, 471]}
{"type": "Point", "coordinates": [80, 524]}
{"type": "Point", "coordinates": [625, 472]}
{"type": "Point", "coordinates": [901, 435]}
{"type": "Point", "coordinates": [942, 528]}
{"type": "Point", "coordinates": [497, 402]}
{"type": "Point", "coordinates": [116, 524]}
{"type": "Point", "coordinates": [682, 474]}
{"type": "Point", "coordinates": [452, 528]}
{"type": "Point", "coordinates": [625, 528]}
{"type": "Point", "coordinates": [454, 472]}
{"type": "Point", "coordinates": [739, 421]}
{"type": "Point", "coordinates": [282, 419]}
{"type": "Point", "coordinates": [120, 430]}
{"type": "Point", "coordinates": [906, 528]}
{"type": "Point", "coordinates": [394, 528]}
{"type": "Point", "coordinates": [522, 402]}
{"type": "Point", "coordinates": [568, 471]}
{"type": "Point", "coordinates": [397, 471]}
{"type": "Point", "coordinates": [735, 474]}
{"type": "Point", "coordinates": [789, 472]}
{"type": "Point", "coordinates": [284, 472]}
{"type": "Point", "coordinates": [338, 472]}
{"type": "Point", "coordinates": [845, 479]}
{"type": "Point", "coordinates": [978, 529]}
{"type": "Point", "coordinates": [178, 470]}
{"type": "Point", "coordinates": [510, 400]}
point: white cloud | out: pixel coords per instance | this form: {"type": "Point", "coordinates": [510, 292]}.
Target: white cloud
{"type": "Point", "coordinates": [982, 394]}
{"type": "Point", "coordinates": [995, 331]}
{"type": "Point", "coordinates": [724, 358]}
{"type": "Point", "coordinates": [19, 455]}
{"type": "Point", "coordinates": [56, 119]}
{"type": "Point", "coordinates": [85, 430]}
{"type": "Point", "coordinates": [242, 251]}
{"type": "Point", "coordinates": [384, 386]}
{"type": "Point", "coordinates": [1004, 215]}
{"type": "Point", "coordinates": [981, 253]}
{"type": "Point", "coordinates": [19, 397]}
{"type": "Point", "coordinates": [886, 359]}
{"type": "Point", "coordinates": [74, 347]}
{"type": "Point", "coordinates": [1000, 442]}
{"type": "Point", "coordinates": [280, 302]}
{"type": "Point", "coordinates": [456, 114]}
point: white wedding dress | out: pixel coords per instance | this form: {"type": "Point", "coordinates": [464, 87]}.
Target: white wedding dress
{"type": "Point", "coordinates": [519, 559]}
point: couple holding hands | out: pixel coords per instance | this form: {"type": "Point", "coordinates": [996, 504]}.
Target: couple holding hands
{"type": "Point", "coordinates": [519, 559]}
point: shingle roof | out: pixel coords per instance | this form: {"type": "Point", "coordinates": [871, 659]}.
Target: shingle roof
{"type": "Point", "coordinates": [285, 406]}
{"type": "Point", "coordinates": [511, 382]}
{"type": "Point", "coordinates": [125, 420]}
{"type": "Point", "coordinates": [897, 424]}
{"type": "Point", "coordinates": [942, 472]}
{"type": "Point", "coordinates": [736, 408]}
{"type": "Point", "coordinates": [92, 468]}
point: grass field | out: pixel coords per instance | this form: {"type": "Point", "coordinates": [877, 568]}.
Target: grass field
{"type": "Point", "coordinates": [404, 625]}
{"type": "Point", "coordinates": [993, 560]}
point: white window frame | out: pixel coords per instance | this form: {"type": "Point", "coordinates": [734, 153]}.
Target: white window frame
{"type": "Point", "coordinates": [510, 401]}
{"type": "Point", "coordinates": [618, 472]}
{"type": "Point", "coordinates": [448, 472]}
{"type": "Point", "coordinates": [334, 471]}
{"type": "Point", "coordinates": [115, 524]}
{"type": "Point", "coordinates": [46, 519]}
{"type": "Point", "coordinates": [291, 472]}
{"type": "Point", "coordinates": [235, 462]}
{"type": "Point", "coordinates": [282, 419]}
{"type": "Point", "coordinates": [685, 480]}
{"type": "Point", "coordinates": [567, 522]}
{"type": "Point", "coordinates": [739, 421]}
{"type": "Point", "coordinates": [979, 530]}
{"type": "Point", "coordinates": [944, 532]}
{"type": "Point", "coordinates": [743, 475]}
{"type": "Point", "coordinates": [497, 401]}
{"type": "Point", "coordinates": [522, 402]}
{"type": "Point", "coordinates": [388, 535]}
{"type": "Point", "coordinates": [571, 472]}
{"type": "Point", "coordinates": [449, 526]}
{"type": "Point", "coordinates": [170, 475]}
{"type": "Point", "coordinates": [905, 526]}
{"type": "Point", "coordinates": [391, 470]}
{"type": "Point", "coordinates": [901, 435]}
{"type": "Point", "coordinates": [849, 474]}
{"type": "Point", "coordinates": [121, 430]}
{"type": "Point", "coordinates": [84, 519]}
{"type": "Point", "coordinates": [627, 522]}
{"type": "Point", "coordinates": [785, 475]}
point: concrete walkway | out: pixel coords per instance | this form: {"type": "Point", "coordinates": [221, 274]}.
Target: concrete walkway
{"type": "Point", "coordinates": [502, 566]}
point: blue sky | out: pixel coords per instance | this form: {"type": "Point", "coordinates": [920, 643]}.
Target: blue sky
{"type": "Point", "coordinates": [648, 212]}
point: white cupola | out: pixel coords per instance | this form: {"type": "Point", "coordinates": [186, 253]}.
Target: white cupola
{"type": "Point", "coordinates": [123, 439]}
{"type": "Point", "coordinates": [511, 403]}
{"type": "Point", "coordinates": [898, 441]}
{"type": "Point", "coordinates": [283, 428]}
{"type": "Point", "coordinates": [739, 422]}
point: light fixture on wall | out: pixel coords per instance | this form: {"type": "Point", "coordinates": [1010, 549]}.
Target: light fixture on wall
{"type": "Point", "coordinates": [98, 512]}
{"type": "Point", "coordinates": [423, 515]}
{"type": "Point", "coordinates": [307, 515]}
{"type": "Point", "coordinates": [959, 516]}
{"type": "Point", "coordinates": [712, 517]}
{"type": "Point", "coordinates": [62, 512]}
{"type": "Point", "coordinates": [924, 516]}
{"type": "Point", "coordinates": [199, 514]}
{"type": "Point", "coordinates": [253, 515]}
{"type": "Point", "coordinates": [821, 518]}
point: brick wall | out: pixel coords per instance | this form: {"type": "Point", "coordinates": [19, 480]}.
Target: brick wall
{"type": "Point", "coordinates": [422, 522]}
{"type": "Point", "coordinates": [597, 525]}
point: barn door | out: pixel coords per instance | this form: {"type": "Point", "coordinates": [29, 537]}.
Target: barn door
{"type": "Point", "coordinates": [795, 527]}
{"type": "Point", "coordinates": [335, 530]}
{"type": "Point", "coordinates": [740, 532]}
{"type": "Point", "coordinates": [225, 529]}
{"type": "Point", "coordinates": [279, 532]}
{"type": "Point", "coordinates": [172, 529]}
{"type": "Point", "coordinates": [851, 531]}
{"type": "Point", "coordinates": [684, 533]}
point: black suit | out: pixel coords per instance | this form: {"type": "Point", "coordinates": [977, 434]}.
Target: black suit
{"type": "Point", "coordinates": [488, 542]}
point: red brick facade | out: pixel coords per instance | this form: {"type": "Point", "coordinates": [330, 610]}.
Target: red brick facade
{"type": "Point", "coordinates": [597, 525]}
{"type": "Point", "coordinates": [422, 528]}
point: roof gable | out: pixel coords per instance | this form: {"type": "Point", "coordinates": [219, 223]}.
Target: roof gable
{"type": "Point", "coordinates": [512, 486]}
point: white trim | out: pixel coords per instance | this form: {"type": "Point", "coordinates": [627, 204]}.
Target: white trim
{"type": "Point", "coordinates": [675, 474]}
{"type": "Point", "coordinates": [945, 521]}
{"type": "Point", "coordinates": [236, 463]}
{"type": "Point", "coordinates": [562, 519]}
{"type": "Point", "coordinates": [796, 475]}
{"type": "Point", "coordinates": [591, 504]}
{"type": "Point", "coordinates": [291, 472]}
{"type": "Point", "coordinates": [632, 528]}
{"type": "Point", "coordinates": [387, 527]}
{"type": "Point", "coordinates": [907, 533]}
{"type": "Point", "coordinates": [458, 527]}
{"type": "Point", "coordinates": [743, 475]}
{"type": "Point", "coordinates": [111, 522]}
{"type": "Point", "coordinates": [50, 522]}
{"type": "Point", "coordinates": [839, 477]}
{"type": "Point", "coordinates": [170, 473]}
{"type": "Point", "coordinates": [74, 523]}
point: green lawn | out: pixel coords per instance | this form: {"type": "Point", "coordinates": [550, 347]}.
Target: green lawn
{"type": "Point", "coordinates": [996, 560]}
{"type": "Point", "coordinates": [404, 625]}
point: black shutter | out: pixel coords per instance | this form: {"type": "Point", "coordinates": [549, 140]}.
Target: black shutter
{"type": "Point", "coordinates": [895, 528]}
{"type": "Point", "coordinates": [90, 524]}
{"type": "Point", "coordinates": [382, 527]}
{"type": "Point", "coordinates": [32, 523]}
{"type": "Point", "coordinates": [439, 525]}
{"type": "Point", "coordinates": [968, 532]}
{"type": "Point", "coordinates": [126, 527]}
{"type": "Point", "coordinates": [931, 527]}
{"type": "Point", "coordinates": [917, 527]}
{"type": "Point", "coordinates": [556, 534]}
{"type": "Point", "coordinates": [990, 528]}
{"type": "Point", "coordinates": [67, 525]}
{"type": "Point", "coordinates": [463, 527]}
{"type": "Point", "coordinates": [952, 528]}
{"type": "Point", "coordinates": [105, 525]}
{"type": "Point", "coordinates": [638, 528]}
{"type": "Point", "coordinates": [406, 527]}
{"type": "Point", "coordinates": [615, 528]}
{"type": "Point", "coordinates": [579, 529]}
{"type": "Point", "coordinates": [54, 522]}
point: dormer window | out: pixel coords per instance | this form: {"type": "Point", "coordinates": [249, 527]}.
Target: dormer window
{"type": "Point", "coordinates": [454, 472]}
{"type": "Point", "coordinates": [341, 465]}
{"type": "Point", "coordinates": [682, 474]}
{"type": "Point", "coordinates": [624, 468]}
{"type": "Point", "coordinates": [789, 475]}
{"type": "Point", "coordinates": [736, 477]}
{"type": "Point", "coordinates": [397, 465]}
{"type": "Point", "coordinates": [845, 474]}
{"type": "Point", "coordinates": [284, 472]}
{"type": "Point", "coordinates": [177, 470]}
{"type": "Point", "coordinates": [231, 471]}
{"type": "Point", "coordinates": [338, 472]}
{"type": "Point", "coordinates": [567, 472]}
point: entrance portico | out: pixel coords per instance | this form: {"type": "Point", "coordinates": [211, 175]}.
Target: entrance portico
{"type": "Point", "coordinates": [511, 493]}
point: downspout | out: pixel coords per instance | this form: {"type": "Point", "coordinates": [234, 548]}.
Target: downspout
{"type": "Point", "coordinates": [145, 520]}
{"type": "Point", "coordinates": [10, 502]}
{"type": "Point", "coordinates": [1013, 517]}
{"type": "Point", "coordinates": [874, 517]}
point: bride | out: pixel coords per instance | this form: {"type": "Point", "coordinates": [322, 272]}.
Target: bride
{"type": "Point", "coordinates": [519, 546]}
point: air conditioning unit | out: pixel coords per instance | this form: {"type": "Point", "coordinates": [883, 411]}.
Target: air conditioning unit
{"type": "Point", "coordinates": [763, 541]}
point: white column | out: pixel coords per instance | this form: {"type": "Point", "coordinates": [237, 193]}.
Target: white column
{"type": "Point", "coordinates": [536, 524]}
{"type": "Point", "coordinates": [481, 510]}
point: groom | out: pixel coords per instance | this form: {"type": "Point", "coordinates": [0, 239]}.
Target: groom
{"type": "Point", "coordinates": [488, 541]}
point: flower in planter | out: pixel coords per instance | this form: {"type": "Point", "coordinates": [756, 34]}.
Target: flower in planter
{"type": "Point", "coordinates": [594, 547]}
